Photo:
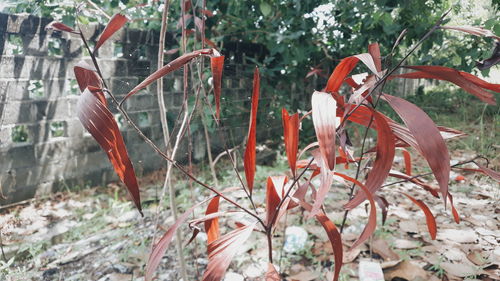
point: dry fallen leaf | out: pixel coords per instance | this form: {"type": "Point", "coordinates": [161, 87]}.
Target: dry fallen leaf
{"type": "Point", "coordinates": [305, 276]}
{"type": "Point", "coordinates": [460, 269]}
{"type": "Point", "coordinates": [458, 235]}
{"type": "Point", "coordinates": [350, 255]}
{"type": "Point", "coordinates": [409, 226]}
{"type": "Point", "coordinates": [405, 244]}
{"type": "Point", "coordinates": [381, 248]}
{"type": "Point", "coordinates": [406, 270]}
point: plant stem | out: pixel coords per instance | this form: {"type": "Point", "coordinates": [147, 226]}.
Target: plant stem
{"type": "Point", "coordinates": [269, 234]}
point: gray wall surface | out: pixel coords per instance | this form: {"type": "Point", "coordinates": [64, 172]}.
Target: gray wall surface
{"type": "Point", "coordinates": [43, 146]}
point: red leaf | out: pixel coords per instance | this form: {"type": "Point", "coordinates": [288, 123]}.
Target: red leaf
{"type": "Point", "coordinates": [58, 26]}
{"type": "Point", "coordinates": [345, 67]}
{"type": "Point", "coordinates": [159, 249]}
{"type": "Point", "coordinates": [223, 250]}
{"type": "Point", "coordinates": [249, 157]}
{"type": "Point", "coordinates": [428, 138]}
{"type": "Point", "coordinates": [429, 217]}
{"type": "Point", "coordinates": [212, 225]}
{"type": "Point", "coordinates": [99, 122]}
{"type": "Point", "coordinates": [208, 13]}
{"type": "Point", "coordinates": [217, 64]}
{"type": "Point", "coordinates": [291, 136]}
{"type": "Point", "coordinates": [325, 182]}
{"type": "Point", "coordinates": [114, 24]}
{"type": "Point", "coordinates": [374, 51]}
{"type": "Point", "coordinates": [474, 30]}
{"type": "Point", "coordinates": [324, 119]}
{"type": "Point", "coordinates": [187, 5]}
{"type": "Point", "coordinates": [272, 197]}
{"type": "Point", "coordinates": [372, 218]}
{"type": "Point", "coordinates": [272, 274]}
{"type": "Point", "coordinates": [383, 161]}
{"type": "Point", "coordinates": [86, 76]}
{"type": "Point", "coordinates": [335, 240]}
{"type": "Point", "coordinates": [407, 158]}
{"type": "Point", "coordinates": [383, 204]}
{"type": "Point", "coordinates": [493, 174]}
{"type": "Point", "coordinates": [466, 81]}
{"type": "Point", "coordinates": [171, 66]}
{"type": "Point", "coordinates": [456, 217]}
{"type": "Point", "coordinates": [210, 43]}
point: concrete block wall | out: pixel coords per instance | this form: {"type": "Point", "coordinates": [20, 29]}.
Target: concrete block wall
{"type": "Point", "coordinates": [43, 146]}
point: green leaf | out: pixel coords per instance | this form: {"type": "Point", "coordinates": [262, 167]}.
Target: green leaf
{"type": "Point", "coordinates": [265, 8]}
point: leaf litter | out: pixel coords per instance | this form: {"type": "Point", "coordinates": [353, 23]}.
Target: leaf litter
{"type": "Point", "coordinates": [90, 235]}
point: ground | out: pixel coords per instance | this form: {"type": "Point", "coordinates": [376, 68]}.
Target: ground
{"type": "Point", "coordinates": [96, 234]}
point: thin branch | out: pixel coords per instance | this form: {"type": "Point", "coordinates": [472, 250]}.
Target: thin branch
{"type": "Point", "coordinates": [430, 173]}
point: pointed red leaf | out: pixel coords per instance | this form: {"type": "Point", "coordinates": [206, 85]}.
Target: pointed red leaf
{"type": "Point", "coordinates": [325, 119]}
{"type": "Point", "coordinates": [374, 51]}
{"type": "Point", "coordinates": [250, 154]}
{"type": "Point", "coordinates": [171, 66]}
{"type": "Point", "coordinates": [159, 249]}
{"type": "Point", "coordinates": [335, 240]}
{"type": "Point", "coordinates": [474, 30]}
{"type": "Point", "coordinates": [429, 217]}
{"type": "Point", "coordinates": [100, 123]}
{"type": "Point", "coordinates": [272, 197]}
{"type": "Point", "coordinates": [208, 13]}
{"type": "Point", "coordinates": [58, 26]}
{"type": "Point", "coordinates": [466, 81]}
{"type": "Point", "coordinates": [345, 67]}
{"type": "Point", "coordinates": [212, 225]}
{"type": "Point", "coordinates": [210, 43]}
{"type": "Point", "coordinates": [454, 212]}
{"type": "Point", "coordinates": [114, 24]}
{"type": "Point", "coordinates": [272, 274]}
{"type": "Point", "coordinates": [407, 158]}
{"type": "Point", "coordinates": [291, 136]}
{"type": "Point", "coordinates": [386, 149]}
{"type": "Point", "coordinates": [86, 76]}
{"type": "Point", "coordinates": [428, 138]}
{"type": "Point", "coordinates": [372, 218]}
{"type": "Point", "coordinates": [383, 204]}
{"type": "Point", "coordinates": [216, 65]}
{"type": "Point", "coordinates": [326, 181]}
{"type": "Point", "coordinates": [222, 251]}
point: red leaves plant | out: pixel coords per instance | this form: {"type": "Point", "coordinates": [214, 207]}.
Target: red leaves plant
{"type": "Point", "coordinates": [250, 153]}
